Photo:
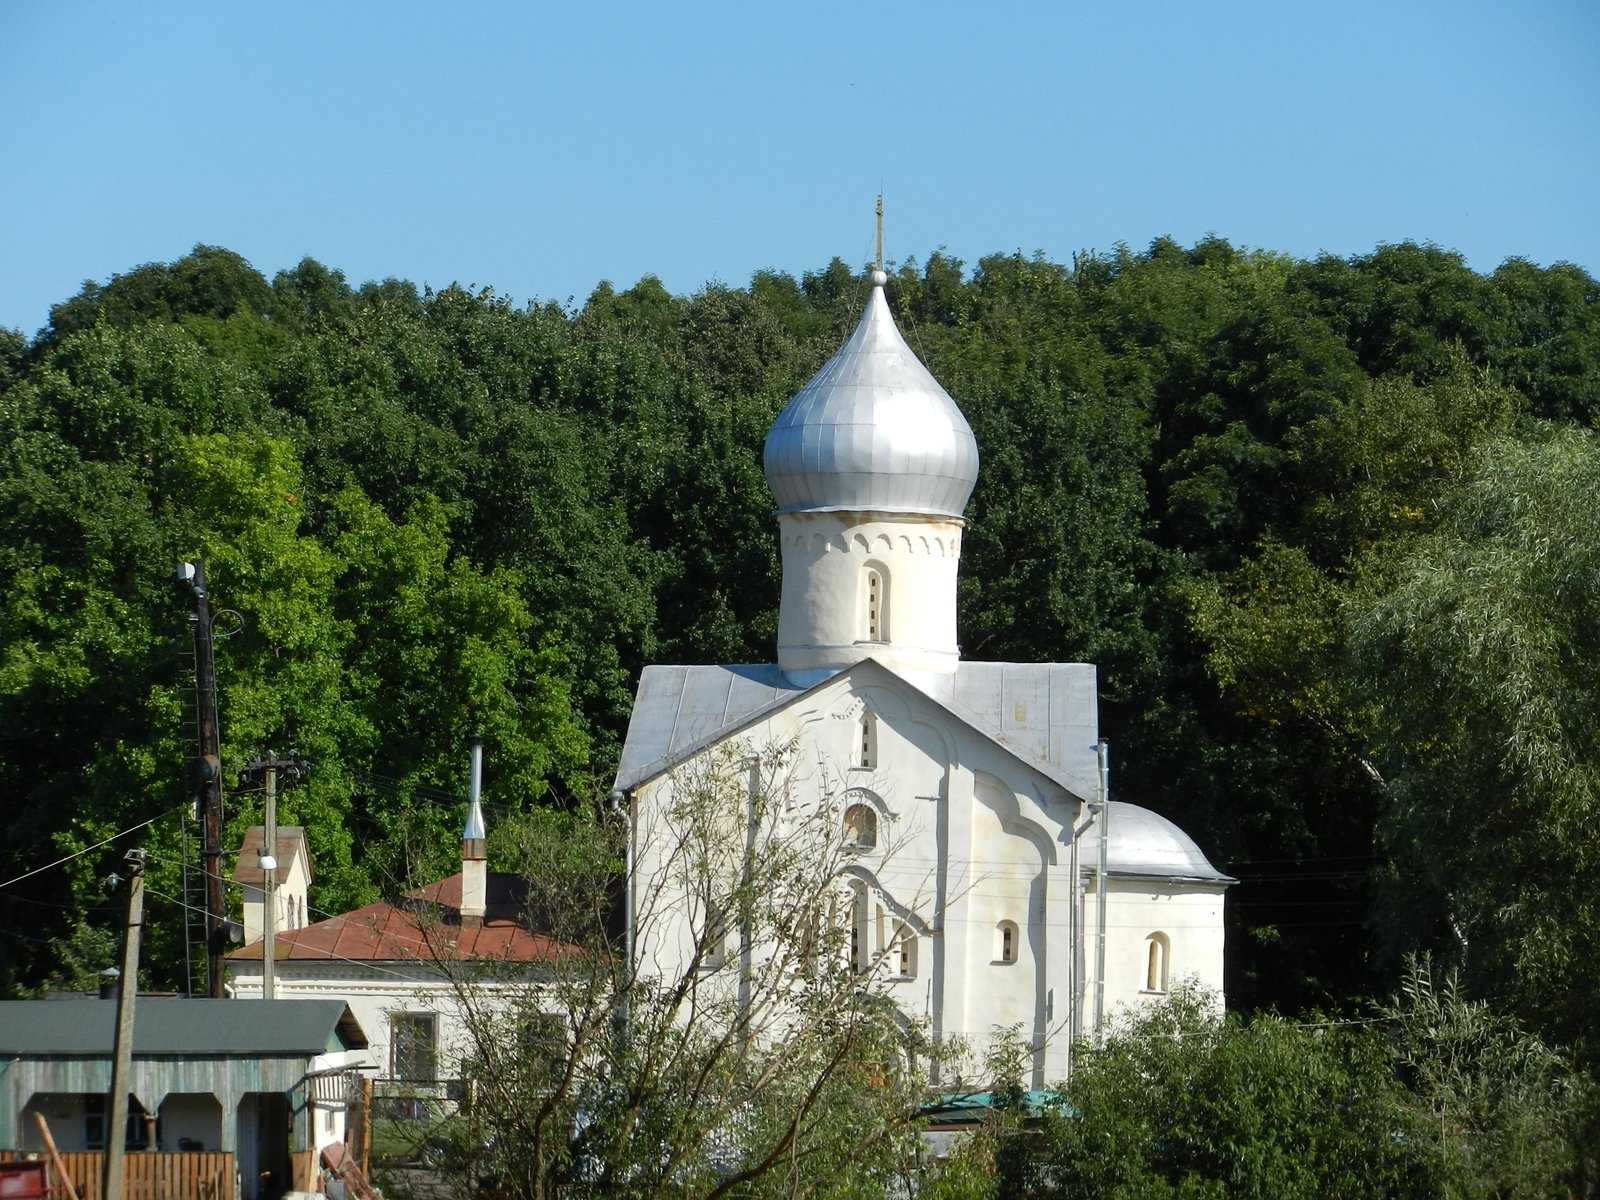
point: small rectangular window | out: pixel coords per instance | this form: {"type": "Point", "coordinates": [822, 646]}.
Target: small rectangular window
{"type": "Point", "coordinates": [414, 1042]}
{"type": "Point", "coordinates": [94, 1122]}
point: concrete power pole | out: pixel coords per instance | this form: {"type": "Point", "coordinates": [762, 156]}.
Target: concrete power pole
{"type": "Point", "coordinates": [269, 873]}
{"type": "Point", "coordinates": [210, 772]}
{"type": "Point", "coordinates": [269, 769]}
{"type": "Point", "coordinates": [111, 1181]}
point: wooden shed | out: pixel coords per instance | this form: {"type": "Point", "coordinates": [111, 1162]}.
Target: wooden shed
{"type": "Point", "coordinates": [264, 1083]}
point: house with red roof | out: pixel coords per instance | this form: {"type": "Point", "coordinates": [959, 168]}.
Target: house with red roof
{"type": "Point", "coordinates": [397, 963]}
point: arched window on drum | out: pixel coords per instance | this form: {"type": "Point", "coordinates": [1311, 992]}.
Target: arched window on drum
{"type": "Point", "coordinates": [1158, 948]}
{"type": "Point", "coordinates": [874, 603]}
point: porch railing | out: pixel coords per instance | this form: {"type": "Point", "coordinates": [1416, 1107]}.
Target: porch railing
{"type": "Point", "coordinates": [185, 1175]}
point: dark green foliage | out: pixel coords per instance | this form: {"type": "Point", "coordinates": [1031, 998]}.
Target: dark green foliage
{"type": "Point", "coordinates": [1203, 469]}
{"type": "Point", "coordinates": [1181, 1103]}
{"type": "Point", "coordinates": [1437, 1097]}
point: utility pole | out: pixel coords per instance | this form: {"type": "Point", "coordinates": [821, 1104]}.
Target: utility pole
{"type": "Point", "coordinates": [210, 770]}
{"type": "Point", "coordinates": [269, 768]}
{"type": "Point", "coordinates": [111, 1180]}
{"type": "Point", "coordinates": [269, 871]}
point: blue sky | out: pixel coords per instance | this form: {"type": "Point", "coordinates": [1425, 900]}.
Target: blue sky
{"type": "Point", "coordinates": [541, 148]}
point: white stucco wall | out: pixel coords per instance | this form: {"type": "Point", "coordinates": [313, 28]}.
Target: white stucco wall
{"type": "Point", "coordinates": [377, 991]}
{"type": "Point", "coordinates": [822, 611]}
{"type": "Point", "coordinates": [968, 836]}
{"type": "Point", "coordinates": [1187, 915]}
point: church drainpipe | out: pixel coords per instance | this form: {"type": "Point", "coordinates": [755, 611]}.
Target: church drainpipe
{"type": "Point", "coordinates": [1103, 751]}
{"type": "Point", "coordinates": [1077, 960]}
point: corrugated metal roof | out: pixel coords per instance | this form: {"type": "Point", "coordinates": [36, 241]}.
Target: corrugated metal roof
{"type": "Point", "coordinates": [427, 927]}
{"type": "Point", "coordinates": [679, 710]}
{"type": "Point", "coordinates": [1043, 713]}
{"type": "Point", "coordinates": [180, 1026]}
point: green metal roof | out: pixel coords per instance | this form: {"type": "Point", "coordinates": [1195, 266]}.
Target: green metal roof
{"type": "Point", "coordinates": [958, 1107]}
{"type": "Point", "coordinates": [180, 1026]}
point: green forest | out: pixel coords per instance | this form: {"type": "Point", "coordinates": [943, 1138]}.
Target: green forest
{"type": "Point", "coordinates": [1330, 529]}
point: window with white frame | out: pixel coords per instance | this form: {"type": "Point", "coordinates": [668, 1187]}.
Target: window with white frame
{"type": "Point", "coordinates": [866, 747]}
{"type": "Point", "coordinates": [714, 947]}
{"type": "Point", "coordinates": [905, 950]}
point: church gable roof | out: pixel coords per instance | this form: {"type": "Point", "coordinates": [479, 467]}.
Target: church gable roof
{"type": "Point", "coordinates": [681, 710]}
{"type": "Point", "coordinates": [1041, 713]}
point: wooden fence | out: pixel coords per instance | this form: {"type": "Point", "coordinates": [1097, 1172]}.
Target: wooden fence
{"type": "Point", "coordinates": [187, 1175]}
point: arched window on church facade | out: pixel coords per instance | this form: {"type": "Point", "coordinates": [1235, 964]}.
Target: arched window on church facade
{"type": "Point", "coordinates": [1005, 942]}
{"type": "Point", "coordinates": [714, 951]}
{"type": "Point", "coordinates": [875, 603]}
{"type": "Point", "coordinates": [860, 827]}
{"type": "Point", "coordinates": [1155, 970]}
{"type": "Point", "coordinates": [866, 748]}
{"type": "Point", "coordinates": [860, 946]}
{"type": "Point", "coordinates": [905, 950]}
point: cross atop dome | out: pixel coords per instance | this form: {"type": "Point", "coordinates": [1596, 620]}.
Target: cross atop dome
{"type": "Point", "coordinates": [873, 431]}
{"type": "Point", "coordinates": [872, 465]}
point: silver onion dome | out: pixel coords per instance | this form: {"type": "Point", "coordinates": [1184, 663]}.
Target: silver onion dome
{"type": "Point", "coordinates": [872, 431]}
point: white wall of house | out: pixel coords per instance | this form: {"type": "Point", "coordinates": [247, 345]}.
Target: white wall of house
{"type": "Point", "coordinates": [377, 993]}
{"type": "Point", "coordinates": [293, 884]}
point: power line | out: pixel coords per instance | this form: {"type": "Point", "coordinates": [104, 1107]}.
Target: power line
{"type": "Point", "coordinates": [80, 853]}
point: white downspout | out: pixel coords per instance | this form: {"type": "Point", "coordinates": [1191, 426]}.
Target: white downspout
{"type": "Point", "coordinates": [1103, 751]}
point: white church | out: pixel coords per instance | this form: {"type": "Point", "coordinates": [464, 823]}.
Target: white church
{"type": "Point", "coordinates": [970, 791]}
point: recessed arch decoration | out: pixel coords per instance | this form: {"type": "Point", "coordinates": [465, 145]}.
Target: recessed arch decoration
{"type": "Point", "coordinates": [865, 752]}
{"type": "Point", "coordinates": [861, 827]}
{"type": "Point", "coordinates": [1157, 954]}
{"type": "Point", "coordinates": [874, 602]}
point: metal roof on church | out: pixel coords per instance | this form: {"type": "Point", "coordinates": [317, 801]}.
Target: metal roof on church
{"type": "Point", "coordinates": [1044, 713]}
{"type": "Point", "coordinates": [872, 431]}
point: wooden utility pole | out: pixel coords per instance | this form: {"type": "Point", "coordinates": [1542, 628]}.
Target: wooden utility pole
{"type": "Point", "coordinates": [111, 1182]}
{"type": "Point", "coordinates": [210, 771]}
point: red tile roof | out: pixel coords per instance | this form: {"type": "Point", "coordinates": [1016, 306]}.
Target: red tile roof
{"type": "Point", "coordinates": [427, 924]}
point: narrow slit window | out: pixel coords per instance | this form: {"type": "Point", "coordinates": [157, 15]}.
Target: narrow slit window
{"type": "Point", "coordinates": [859, 950]}
{"type": "Point", "coordinates": [715, 951]}
{"type": "Point", "coordinates": [1005, 947]}
{"type": "Point", "coordinates": [875, 598]}
{"type": "Point", "coordinates": [867, 740]}
{"type": "Point", "coordinates": [906, 948]}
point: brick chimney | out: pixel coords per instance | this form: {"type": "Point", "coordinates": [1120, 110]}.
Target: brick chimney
{"type": "Point", "coordinates": [474, 867]}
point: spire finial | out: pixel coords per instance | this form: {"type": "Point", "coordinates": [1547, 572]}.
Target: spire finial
{"type": "Point", "coordinates": [878, 277]}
